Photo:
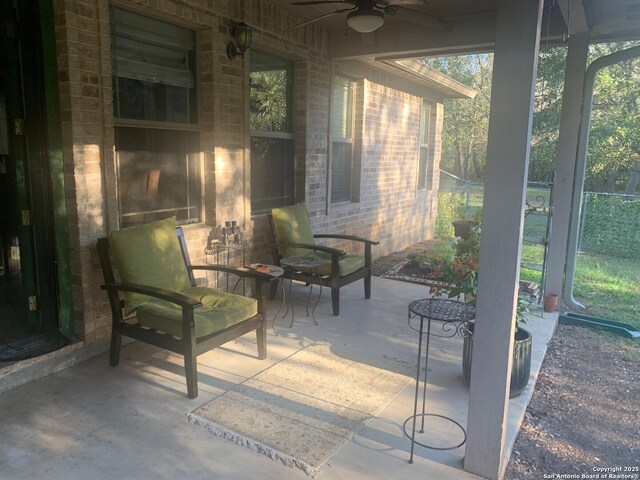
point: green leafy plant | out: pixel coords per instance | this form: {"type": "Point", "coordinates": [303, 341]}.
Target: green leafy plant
{"type": "Point", "coordinates": [522, 308]}
{"type": "Point", "coordinates": [429, 260]}
{"type": "Point", "coordinates": [459, 276]}
{"type": "Point", "coordinates": [449, 204]}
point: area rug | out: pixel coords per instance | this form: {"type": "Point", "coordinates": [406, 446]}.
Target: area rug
{"type": "Point", "coordinates": [303, 409]}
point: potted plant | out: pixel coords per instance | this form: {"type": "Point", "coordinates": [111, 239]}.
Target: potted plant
{"type": "Point", "coordinates": [521, 362]}
{"type": "Point", "coordinates": [461, 280]}
{"type": "Point", "coordinates": [463, 226]}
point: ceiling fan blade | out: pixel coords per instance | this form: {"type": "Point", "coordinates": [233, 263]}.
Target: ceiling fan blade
{"type": "Point", "coordinates": [322, 2]}
{"type": "Point", "coordinates": [337, 12]}
{"type": "Point", "coordinates": [418, 16]}
{"type": "Point", "coordinates": [384, 3]}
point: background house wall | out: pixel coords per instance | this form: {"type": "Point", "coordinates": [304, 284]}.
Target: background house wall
{"type": "Point", "coordinates": [390, 209]}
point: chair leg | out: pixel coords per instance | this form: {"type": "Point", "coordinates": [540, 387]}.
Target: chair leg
{"type": "Point", "coordinates": [367, 286]}
{"type": "Point", "coordinates": [116, 344]}
{"type": "Point", "coordinates": [191, 371]}
{"type": "Point", "coordinates": [335, 300]}
{"type": "Point", "coordinates": [261, 337]}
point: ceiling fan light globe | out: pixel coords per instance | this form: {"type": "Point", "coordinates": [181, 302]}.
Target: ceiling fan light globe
{"type": "Point", "coordinates": [365, 20]}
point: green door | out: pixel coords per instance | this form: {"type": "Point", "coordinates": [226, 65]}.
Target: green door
{"type": "Point", "coordinates": [29, 273]}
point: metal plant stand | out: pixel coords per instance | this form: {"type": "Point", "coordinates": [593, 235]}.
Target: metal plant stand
{"type": "Point", "coordinates": [452, 315]}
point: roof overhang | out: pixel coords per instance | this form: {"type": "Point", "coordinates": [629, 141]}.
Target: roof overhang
{"type": "Point", "coordinates": [417, 72]}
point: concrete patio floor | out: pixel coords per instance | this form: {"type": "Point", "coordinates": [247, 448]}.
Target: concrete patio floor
{"type": "Point", "coordinates": [90, 421]}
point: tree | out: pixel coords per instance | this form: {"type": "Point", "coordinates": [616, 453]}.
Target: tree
{"type": "Point", "coordinates": [466, 121]}
{"type": "Point", "coordinates": [546, 115]}
{"type": "Point", "coordinates": [614, 138]}
{"type": "Point", "coordinates": [614, 143]}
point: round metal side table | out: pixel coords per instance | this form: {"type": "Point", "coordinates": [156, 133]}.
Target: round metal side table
{"type": "Point", "coordinates": [310, 263]}
{"type": "Point", "coordinates": [452, 316]}
{"type": "Point", "coordinates": [276, 273]}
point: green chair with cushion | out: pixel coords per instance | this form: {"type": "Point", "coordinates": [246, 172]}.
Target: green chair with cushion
{"type": "Point", "coordinates": [292, 236]}
{"type": "Point", "coordinates": [161, 303]}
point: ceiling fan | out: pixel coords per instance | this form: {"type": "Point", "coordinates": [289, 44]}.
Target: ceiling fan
{"type": "Point", "coordinates": [365, 16]}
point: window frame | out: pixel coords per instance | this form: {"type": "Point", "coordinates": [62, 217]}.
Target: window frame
{"type": "Point", "coordinates": [425, 171]}
{"type": "Point", "coordinates": [348, 140]}
{"type": "Point", "coordinates": [192, 124]}
{"type": "Point", "coordinates": [289, 194]}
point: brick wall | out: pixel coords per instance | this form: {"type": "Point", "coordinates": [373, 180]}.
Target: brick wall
{"type": "Point", "coordinates": [390, 209]}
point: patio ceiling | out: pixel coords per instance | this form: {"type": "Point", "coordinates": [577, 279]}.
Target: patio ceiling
{"type": "Point", "coordinates": [472, 22]}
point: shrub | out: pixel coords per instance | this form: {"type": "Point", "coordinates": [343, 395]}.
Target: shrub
{"type": "Point", "coordinates": [430, 260]}
{"type": "Point", "coordinates": [450, 205]}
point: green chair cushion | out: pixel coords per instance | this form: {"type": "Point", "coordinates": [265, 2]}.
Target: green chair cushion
{"type": "Point", "coordinates": [219, 310]}
{"type": "Point", "coordinates": [149, 255]}
{"type": "Point", "coordinates": [348, 264]}
{"type": "Point", "coordinates": [291, 224]}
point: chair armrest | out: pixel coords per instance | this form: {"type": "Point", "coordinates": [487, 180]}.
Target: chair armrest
{"type": "Point", "coordinates": [258, 279]}
{"type": "Point", "coordinates": [368, 258]}
{"type": "Point", "coordinates": [161, 293]}
{"type": "Point", "coordinates": [315, 248]}
{"type": "Point", "coordinates": [347, 237]}
{"type": "Point", "coordinates": [240, 272]}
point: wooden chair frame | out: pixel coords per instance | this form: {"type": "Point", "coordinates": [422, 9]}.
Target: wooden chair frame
{"type": "Point", "coordinates": [189, 346]}
{"type": "Point", "coordinates": [333, 281]}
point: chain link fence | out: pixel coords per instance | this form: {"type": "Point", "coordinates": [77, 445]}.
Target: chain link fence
{"type": "Point", "coordinates": [610, 225]}
{"type": "Point", "coordinates": [608, 268]}
{"type": "Point", "coordinates": [461, 199]}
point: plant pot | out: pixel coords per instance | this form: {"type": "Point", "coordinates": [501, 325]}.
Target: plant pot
{"type": "Point", "coordinates": [462, 228]}
{"type": "Point", "coordinates": [521, 367]}
{"type": "Point", "coordinates": [550, 302]}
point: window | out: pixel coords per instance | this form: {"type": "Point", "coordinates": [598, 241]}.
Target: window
{"type": "Point", "coordinates": [425, 161]}
{"type": "Point", "coordinates": [271, 124]}
{"type": "Point", "coordinates": [341, 139]}
{"type": "Point", "coordinates": [155, 110]}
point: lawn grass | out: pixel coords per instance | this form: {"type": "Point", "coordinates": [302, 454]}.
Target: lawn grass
{"type": "Point", "coordinates": [608, 286]}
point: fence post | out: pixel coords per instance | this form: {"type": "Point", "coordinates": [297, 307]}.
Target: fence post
{"type": "Point", "coordinates": [468, 186]}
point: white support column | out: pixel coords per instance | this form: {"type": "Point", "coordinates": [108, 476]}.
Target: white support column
{"type": "Point", "coordinates": [514, 73]}
{"type": "Point", "coordinates": [566, 159]}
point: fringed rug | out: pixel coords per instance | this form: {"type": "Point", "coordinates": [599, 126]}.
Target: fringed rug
{"type": "Point", "coordinates": [303, 409]}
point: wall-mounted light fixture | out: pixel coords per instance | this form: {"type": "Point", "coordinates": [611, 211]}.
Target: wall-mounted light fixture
{"type": "Point", "coordinates": [241, 33]}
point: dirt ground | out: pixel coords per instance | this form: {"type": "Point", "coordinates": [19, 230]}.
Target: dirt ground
{"type": "Point", "coordinates": [585, 411]}
{"type": "Point", "coordinates": [584, 417]}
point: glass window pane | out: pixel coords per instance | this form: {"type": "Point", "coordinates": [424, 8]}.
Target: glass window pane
{"type": "Point", "coordinates": [272, 165]}
{"type": "Point", "coordinates": [153, 69]}
{"type": "Point", "coordinates": [341, 110]}
{"type": "Point", "coordinates": [152, 101]}
{"type": "Point", "coordinates": [425, 123]}
{"type": "Point", "coordinates": [340, 172]}
{"type": "Point", "coordinates": [158, 175]}
{"type": "Point", "coordinates": [422, 167]}
{"type": "Point", "coordinates": [271, 173]}
{"type": "Point", "coordinates": [270, 93]}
